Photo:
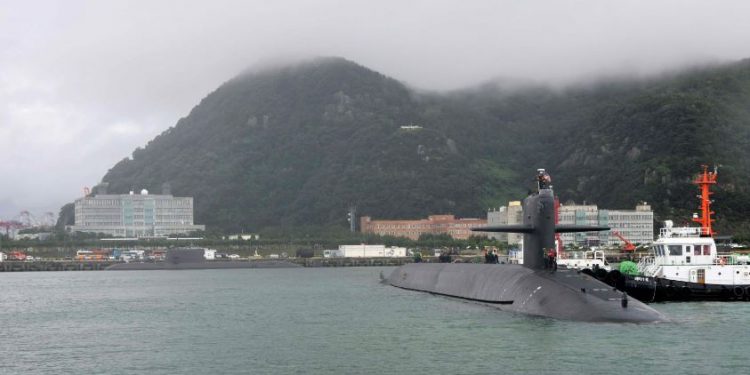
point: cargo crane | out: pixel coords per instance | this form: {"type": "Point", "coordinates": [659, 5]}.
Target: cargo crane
{"type": "Point", "coordinates": [628, 245]}
{"type": "Point", "coordinates": [9, 226]}
{"type": "Point", "coordinates": [27, 219]}
{"type": "Point", "coordinates": [48, 220]}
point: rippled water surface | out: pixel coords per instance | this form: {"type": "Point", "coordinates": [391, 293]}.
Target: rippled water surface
{"type": "Point", "coordinates": [329, 320]}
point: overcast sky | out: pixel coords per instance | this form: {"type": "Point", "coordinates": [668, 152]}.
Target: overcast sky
{"type": "Point", "coordinates": [83, 83]}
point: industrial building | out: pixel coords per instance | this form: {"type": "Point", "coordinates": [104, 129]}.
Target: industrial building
{"type": "Point", "coordinates": [637, 226]}
{"type": "Point", "coordinates": [434, 224]}
{"type": "Point", "coordinates": [134, 215]}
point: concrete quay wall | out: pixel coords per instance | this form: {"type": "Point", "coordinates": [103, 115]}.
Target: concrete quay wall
{"type": "Point", "coordinates": [19, 266]}
{"type": "Point", "coordinates": [351, 262]}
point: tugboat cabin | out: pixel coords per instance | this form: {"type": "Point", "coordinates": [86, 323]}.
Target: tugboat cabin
{"type": "Point", "coordinates": [684, 246]}
{"type": "Point", "coordinates": [686, 254]}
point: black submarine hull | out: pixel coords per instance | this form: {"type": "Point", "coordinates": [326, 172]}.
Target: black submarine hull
{"type": "Point", "coordinates": [561, 294]}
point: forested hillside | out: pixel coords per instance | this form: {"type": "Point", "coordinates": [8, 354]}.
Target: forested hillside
{"type": "Point", "coordinates": [297, 145]}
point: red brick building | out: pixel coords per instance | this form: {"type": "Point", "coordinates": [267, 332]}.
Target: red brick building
{"type": "Point", "coordinates": [434, 224]}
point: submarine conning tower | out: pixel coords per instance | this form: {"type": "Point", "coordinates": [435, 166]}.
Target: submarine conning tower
{"type": "Point", "coordinates": [539, 215]}
{"type": "Point", "coordinates": [539, 226]}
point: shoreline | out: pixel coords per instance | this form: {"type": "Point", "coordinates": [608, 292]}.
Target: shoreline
{"type": "Point", "coordinates": [72, 265]}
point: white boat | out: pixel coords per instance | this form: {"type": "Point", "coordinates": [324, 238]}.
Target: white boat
{"type": "Point", "coordinates": [592, 259]}
{"type": "Point", "coordinates": [578, 260]}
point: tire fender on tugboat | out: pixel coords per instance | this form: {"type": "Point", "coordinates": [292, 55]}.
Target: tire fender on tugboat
{"type": "Point", "coordinates": [686, 292]}
{"type": "Point", "coordinates": [670, 291]}
{"type": "Point", "coordinates": [738, 291]}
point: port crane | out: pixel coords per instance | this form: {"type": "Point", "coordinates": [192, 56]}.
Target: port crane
{"type": "Point", "coordinates": [10, 225]}
{"type": "Point", "coordinates": [628, 245]}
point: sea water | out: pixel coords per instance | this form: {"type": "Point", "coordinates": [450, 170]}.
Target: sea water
{"type": "Point", "coordinates": [330, 321]}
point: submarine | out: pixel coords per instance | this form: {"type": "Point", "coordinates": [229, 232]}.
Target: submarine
{"type": "Point", "coordinates": [535, 288]}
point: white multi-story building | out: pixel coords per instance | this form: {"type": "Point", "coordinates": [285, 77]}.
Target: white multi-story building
{"type": "Point", "coordinates": [134, 215]}
{"type": "Point", "coordinates": [637, 226]}
{"type": "Point", "coordinates": [579, 215]}
{"type": "Point", "coordinates": [510, 214]}
{"type": "Point", "coordinates": [497, 217]}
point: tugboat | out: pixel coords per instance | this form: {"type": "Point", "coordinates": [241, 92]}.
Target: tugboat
{"type": "Point", "coordinates": [685, 265]}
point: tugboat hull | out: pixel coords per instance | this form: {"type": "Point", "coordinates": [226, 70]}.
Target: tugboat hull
{"type": "Point", "coordinates": [654, 289]}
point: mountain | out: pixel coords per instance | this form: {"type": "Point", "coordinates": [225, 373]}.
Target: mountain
{"type": "Point", "coordinates": [297, 145]}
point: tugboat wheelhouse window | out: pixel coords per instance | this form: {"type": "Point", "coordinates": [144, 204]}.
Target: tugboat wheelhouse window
{"type": "Point", "coordinates": [675, 249]}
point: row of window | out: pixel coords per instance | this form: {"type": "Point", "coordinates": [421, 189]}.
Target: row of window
{"type": "Point", "coordinates": [631, 225]}
{"type": "Point", "coordinates": [108, 227]}
{"type": "Point", "coordinates": [631, 217]}
{"type": "Point", "coordinates": [424, 226]}
{"type": "Point", "coordinates": [160, 203]}
{"type": "Point", "coordinates": [112, 216]}
{"type": "Point", "coordinates": [399, 234]}
{"type": "Point", "coordinates": [594, 220]}
{"type": "Point", "coordinates": [116, 211]}
{"type": "Point", "coordinates": [91, 217]}
{"type": "Point", "coordinates": [673, 250]}
{"type": "Point", "coordinates": [634, 217]}
{"type": "Point", "coordinates": [416, 234]}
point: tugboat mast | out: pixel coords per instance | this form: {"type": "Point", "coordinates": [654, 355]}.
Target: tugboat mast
{"type": "Point", "coordinates": [704, 182]}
